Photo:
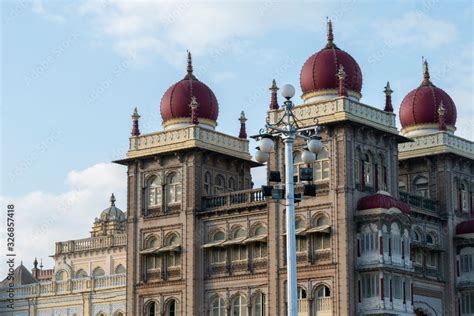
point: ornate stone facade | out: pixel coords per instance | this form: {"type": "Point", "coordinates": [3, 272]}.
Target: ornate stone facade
{"type": "Point", "coordinates": [88, 278]}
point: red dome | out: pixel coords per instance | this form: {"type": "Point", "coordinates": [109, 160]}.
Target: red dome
{"type": "Point", "coordinates": [466, 227]}
{"type": "Point", "coordinates": [176, 101]}
{"type": "Point", "coordinates": [319, 72]}
{"type": "Point", "coordinates": [380, 200]}
{"type": "Point", "coordinates": [422, 104]}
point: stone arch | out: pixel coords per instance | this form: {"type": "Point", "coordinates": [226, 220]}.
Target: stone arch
{"type": "Point", "coordinates": [424, 308]}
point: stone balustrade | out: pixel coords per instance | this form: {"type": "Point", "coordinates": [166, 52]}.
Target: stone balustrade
{"type": "Point", "coordinates": [91, 243]}
{"type": "Point", "coordinates": [68, 286]}
{"type": "Point", "coordinates": [227, 200]}
{"type": "Point", "coordinates": [436, 143]}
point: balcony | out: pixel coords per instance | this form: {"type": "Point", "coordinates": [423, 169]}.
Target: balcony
{"type": "Point", "coordinates": [419, 201]}
{"type": "Point", "coordinates": [234, 200]}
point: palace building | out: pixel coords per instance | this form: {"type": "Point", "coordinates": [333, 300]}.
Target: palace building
{"type": "Point", "coordinates": [389, 232]}
{"type": "Point", "coordinates": [88, 278]}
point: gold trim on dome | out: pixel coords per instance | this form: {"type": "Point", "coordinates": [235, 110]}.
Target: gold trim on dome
{"type": "Point", "coordinates": [350, 93]}
{"type": "Point", "coordinates": [184, 120]}
{"type": "Point", "coordinates": [416, 127]}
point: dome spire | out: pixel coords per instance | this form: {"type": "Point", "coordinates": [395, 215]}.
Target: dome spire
{"type": "Point", "coordinates": [189, 68]}
{"type": "Point", "coordinates": [274, 103]}
{"type": "Point", "coordinates": [426, 73]}
{"type": "Point", "coordinates": [330, 34]}
{"type": "Point", "coordinates": [112, 200]}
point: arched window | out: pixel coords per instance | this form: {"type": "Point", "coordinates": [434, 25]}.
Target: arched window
{"type": "Point", "coordinates": [152, 260]}
{"type": "Point", "coordinates": [239, 306]}
{"type": "Point", "coordinates": [232, 186]}
{"type": "Point", "coordinates": [81, 274]}
{"type": "Point", "coordinates": [369, 241]}
{"type": "Point", "coordinates": [322, 299]}
{"type": "Point", "coordinates": [421, 186]}
{"type": "Point", "coordinates": [464, 197]}
{"type": "Point", "coordinates": [154, 191]}
{"type": "Point", "coordinates": [259, 307]}
{"type": "Point", "coordinates": [396, 240]}
{"type": "Point", "coordinates": [301, 293]}
{"type": "Point", "coordinates": [430, 239]}
{"type": "Point", "coordinates": [239, 251]}
{"type": "Point", "coordinates": [119, 314]}
{"type": "Point", "coordinates": [321, 166]}
{"type": "Point", "coordinates": [173, 189]}
{"type": "Point", "coordinates": [61, 275]}
{"type": "Point", "coordinates": [100, 314]}
{"type": "Point", "coordinates": [301, 240]}
{"type": "Point", "coordinates": [219, 184]}
{"type": "Point", "coordinates": [321, 240]}
{"type": "Point", "coordinates": [218, 307]}
{"type": "Point", "coordinates": [171, 308]}
{"type": "Point", "coordinates": [416, 236]}
{"type": "Point", "coordinates": [173, 257]}
{"type": "Point", "coordinates": [218, 254]}
{"type": "Point", "coordinates": [120, 269]}
{"type": "Point", "coordinates": [368, 170]}
{"type": "Point", "coordinates": [259, 249]}
{"type": "Point", "coordinates": [207, 183]}
{"type": "Point", "coordinates": [151, 309]}
{"type": "Point", "coordinates": [98, 272]}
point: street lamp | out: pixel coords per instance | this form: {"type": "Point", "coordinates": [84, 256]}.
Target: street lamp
{"type": "Point", "coordinates": [288, 130]}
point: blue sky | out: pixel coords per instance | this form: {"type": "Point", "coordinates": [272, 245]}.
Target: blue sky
{"type": "Point", "coordinates": [72, 72]}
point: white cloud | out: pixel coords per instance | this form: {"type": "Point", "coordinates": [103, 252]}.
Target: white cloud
{"type": "Point", "coordinates": [38, 8]}
{"type": "Point", "coordinates": [169, 28]}
{"type": "Point", "coordinates": [43, 218]}
{"type": "Point", "coordinates": [416, 28]}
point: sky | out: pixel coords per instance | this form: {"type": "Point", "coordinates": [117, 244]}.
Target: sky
{"type": "Point", "coordinates": [72, 72]}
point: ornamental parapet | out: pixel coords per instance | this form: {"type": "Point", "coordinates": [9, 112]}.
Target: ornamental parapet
{"type": "Point", "coordinates": [185, 138]}
{"type": "Point", "coordinates": [436, 143]}
{"type": "Point", "coordinates": [51, 288]}
{"type": "Point", "coordinates": [91, 243]}
{"type": "Point", "coordinates": [338, 110]}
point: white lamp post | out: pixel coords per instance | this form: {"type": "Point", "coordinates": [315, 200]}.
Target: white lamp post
{"type": "Point", "coordinates": [288, 130]}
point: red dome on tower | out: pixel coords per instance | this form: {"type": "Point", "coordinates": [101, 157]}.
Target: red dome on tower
{"type": "Point", "coordinates": [175, 105]}
{"type": "Point", "coordinates": [319, 73]}
{"type": "Point", "coordinates": [427, 107]}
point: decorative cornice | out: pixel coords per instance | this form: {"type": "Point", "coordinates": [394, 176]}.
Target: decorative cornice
{"type": "Point", "coordinates": [436, 143]}
{"type": "Point", "coordinates": [350, 93]}
{"type": "Point", "coordinates": [338, 110]}
{"type": "Point", "coordinates": [186, 138]}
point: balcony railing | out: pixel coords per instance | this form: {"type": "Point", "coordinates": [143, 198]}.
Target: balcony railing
{"type": "Point", "coordinates": [323, 306]}
{"type": "Point", "coordinates": [91, 243]}
{"type": "Point", "coordinates": [230, 199]}
{"type": "Point", "coordinates": [419, 201]}
{"type": "Point", "coordinates": [68, 286]}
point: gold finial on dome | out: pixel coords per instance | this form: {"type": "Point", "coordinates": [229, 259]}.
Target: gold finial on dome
{"type": "Point", "coordinates": [426, 73]}
{"type": "Point", "coordinates": [112, 200]}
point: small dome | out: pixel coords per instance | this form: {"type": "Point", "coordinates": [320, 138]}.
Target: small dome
{"type": "Point", "coordinates": [175, 105]}
{"type": "Point", "coordinates": [466, 227]}
{"type": "Point", "coordinates": [112, 213]}
{"type": "Point", "coordinates": [318, 78]}
{"type": "Point", "coordinates": [383, 200]}
{"type": "Point", "coordinates": [420, 109]}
